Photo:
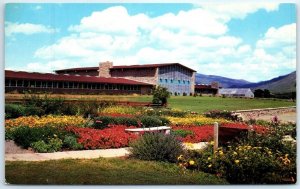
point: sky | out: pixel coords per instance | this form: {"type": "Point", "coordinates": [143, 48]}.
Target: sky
{"type": "Point", "coordinates": [250, 41]}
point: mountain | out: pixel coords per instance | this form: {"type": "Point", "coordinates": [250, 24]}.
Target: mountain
{"type": "Point", "coordinates": [281, 84]}
{"type": "Point", "coordinates": [223, 81]}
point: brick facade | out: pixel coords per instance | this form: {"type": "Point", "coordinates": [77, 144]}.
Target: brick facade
{"type": "Point", "coordinates": [145, 75]}
{"type": "Point", "coordinates": [104, 69]}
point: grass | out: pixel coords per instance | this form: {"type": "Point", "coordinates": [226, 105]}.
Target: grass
{"type": "Point", "coordinates": [197, 104]}
{"type": "Point", "coordinates": [103, 171]}
{"type": "Point", "coordinates": [206, 103]}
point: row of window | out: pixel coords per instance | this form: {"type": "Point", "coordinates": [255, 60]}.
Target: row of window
{"type": "Point", "coordinates": [69, 85]}
{"type": "Point", "coordinates": [173, 81]}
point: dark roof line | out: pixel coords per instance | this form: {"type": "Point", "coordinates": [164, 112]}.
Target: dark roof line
{"type": "Point", "coordinates": [125, 67]}
{"type": "Point", "coordinates": [150, 66]}
{"type": "Point", "coordinates": [78, 69]}
{"type": "Point", "coordinates": [64, 77]}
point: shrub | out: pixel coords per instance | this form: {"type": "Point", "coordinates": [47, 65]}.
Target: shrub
{"type": "Point", "coordinates": [221, 114]}
{"type": "Point", "coordinates": [246, 164]}
{"type": "Point", "coordinates": [102, 122]}
{"type": "Point", "coordinates": [40, 146]}
{"type": "Point", "coordinates": [150, 121]}
{"type": "Point", "coordinates": [128, 121]}
{"type": "Point", "coordinates": [33, 110]}
{"type": "Point", "coordinates": [53, 145]}
{"type": "Point", "coordinates": [70, 142]}
{"type": "Point", "coordinates": [49, 105]}
{"type": "Point", "coordinates": [14, 111]}
{"type": "Point", "coordinates": [182, 133]}
{"type": "Point", "coordinates": [160, 93]}
{"type": "Point", "coordinates": [164, 112]}
{"type": "Point", "coordinates": [156, 146]}
{"type": "Point", "coordinates": [25, 135]}
{"type": "Point", "coordinates": [164, 120]}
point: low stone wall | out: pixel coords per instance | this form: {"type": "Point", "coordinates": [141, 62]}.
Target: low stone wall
{"type": "Point", "coordinates": [256, 113]}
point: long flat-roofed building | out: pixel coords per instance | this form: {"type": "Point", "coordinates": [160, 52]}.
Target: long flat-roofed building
{"type": "Point", "coordinates": [20, 81]}
{"type": "Point", "coordinates": [174, 76]}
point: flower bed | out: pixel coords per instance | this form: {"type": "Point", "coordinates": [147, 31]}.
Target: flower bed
{"type": "Point", "coordinates": [199, 134]}
{"type": "Point", "coordinates": [112, 137]}
{"type": "Point", "coordinates": [194, 120]}
{"type": "Point", "coordinates": [119, 110]}
{"type": "Point", "coordinates": [49, 120]}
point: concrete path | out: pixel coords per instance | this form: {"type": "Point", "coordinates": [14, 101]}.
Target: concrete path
{"type": "Point", "coordinates": [82, 154]}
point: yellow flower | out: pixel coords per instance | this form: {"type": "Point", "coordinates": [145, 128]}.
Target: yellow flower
{"type": "Point", "coordinates": [209, 165]}
{"type": "Point", "coordinates": [209, 158]}
{"type": "Point", "coordinates": [237, 161]}
{"type": "Point", "coordinates": [234, 153]}
{"type": "Point", "coordinates": [191, 162]}
{"type": "Point", "coordinates": [212, 142]}
{"type": "Point", "coordinates": [180, 157]}
{"type": "Point", "coordinates": [221, 153]}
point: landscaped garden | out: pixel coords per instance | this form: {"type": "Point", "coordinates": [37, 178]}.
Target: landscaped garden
{"type": "Point", "coordinates": [50, 125]}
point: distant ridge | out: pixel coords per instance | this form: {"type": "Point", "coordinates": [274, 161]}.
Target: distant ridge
{"type": "Point", "coordinates": [281, 84]}
{"type": "Point", "coordinates": [223, 81]}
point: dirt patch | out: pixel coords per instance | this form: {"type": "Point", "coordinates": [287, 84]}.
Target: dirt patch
{"type": "Point", "coordinates": [12, 148]}
{"type": "Point", "coordinates": [284, 117]}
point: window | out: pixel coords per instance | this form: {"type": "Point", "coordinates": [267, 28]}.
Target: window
{"type": "Point", "coordinates": [166, 80]}
{"type": "Point", "coordinates": [179, 81]}
{"type": "Point", "coordinates": [171, 80]}
{"type": "Point", "coordinates": [183, 82]}
{"type": "Point", "coordinates": [160, 80]}
{"type": "Point", "coordinates": [188, 82]}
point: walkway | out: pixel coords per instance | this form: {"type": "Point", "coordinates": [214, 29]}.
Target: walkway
{"type": "Point", "coordinates": [82, 154]}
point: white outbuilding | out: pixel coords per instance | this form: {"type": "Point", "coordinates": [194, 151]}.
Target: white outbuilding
{"type": "Point", "coordinates": [236, 92]}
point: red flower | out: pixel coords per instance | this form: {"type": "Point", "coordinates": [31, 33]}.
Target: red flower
{"type": "Point", "coordinates": [112, 137]}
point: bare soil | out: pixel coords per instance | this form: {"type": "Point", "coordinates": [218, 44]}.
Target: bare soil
{"type": "Point", "coordinates": [12, 148]}
{"type": "Point", "coordinates": [284, 117]}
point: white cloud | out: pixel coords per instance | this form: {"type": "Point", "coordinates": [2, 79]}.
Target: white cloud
{"type": "Point", "coordinates": [274, 37]}
{"type": "Point", "coordinates": [26, 28]}
{"type": "Point", "coordinates": [111, 20]}
{"type": "Point", "coordinates": [201, 43]}
{"type": "Point", "coordinates": [237, 10]}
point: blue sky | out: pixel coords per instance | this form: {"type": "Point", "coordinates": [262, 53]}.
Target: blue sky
{"type": "Point", "coordinates": [251, 41]}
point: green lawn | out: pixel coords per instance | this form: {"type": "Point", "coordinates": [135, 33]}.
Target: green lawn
{"type": "Point", "coordinates": [204, 104]}
{"type": "Point", "coordinates": [197, 104]}
{"type": "Point", "coordinates": [103, 171]}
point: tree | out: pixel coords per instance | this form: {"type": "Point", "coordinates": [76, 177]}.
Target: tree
{"type": "Point", "coordinates": [160, 95]}
{"type": "Point", "coordinates": [267, 93]}
{"type": "Point", "coordinates": [259, 93]}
